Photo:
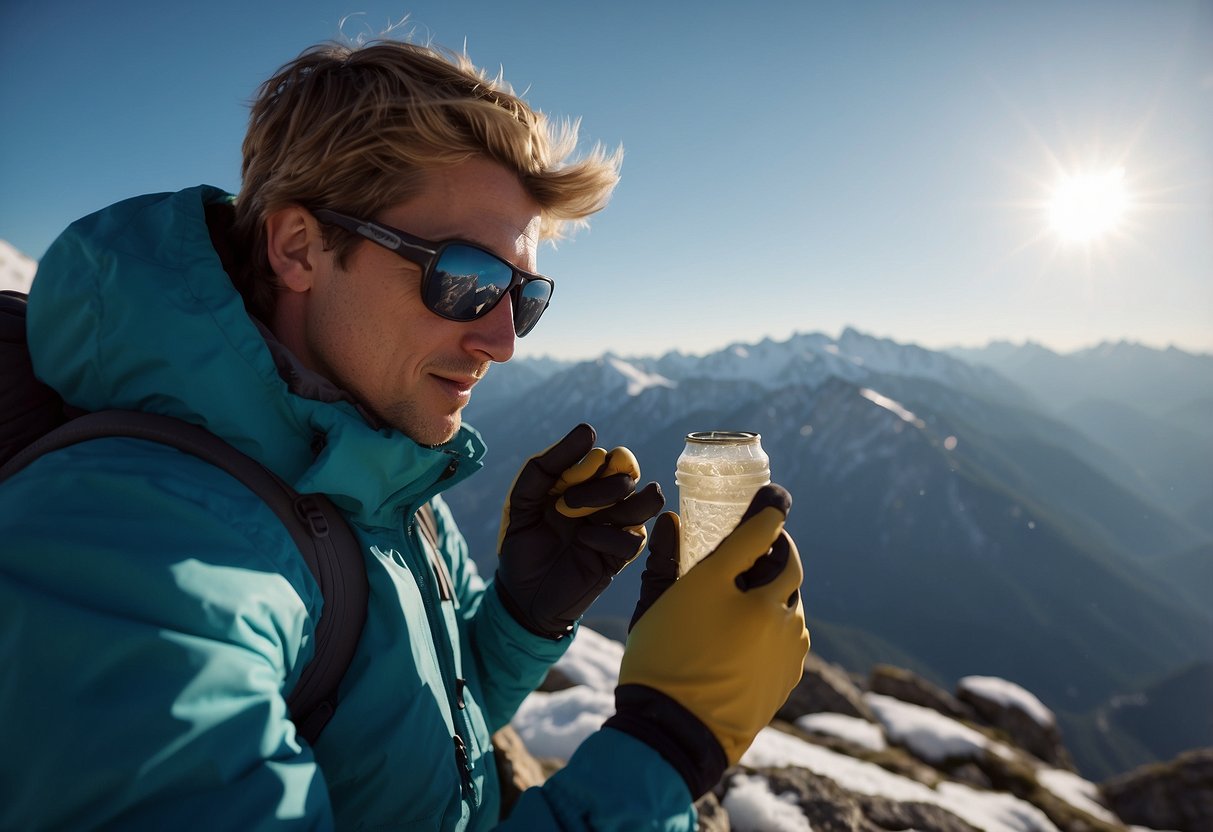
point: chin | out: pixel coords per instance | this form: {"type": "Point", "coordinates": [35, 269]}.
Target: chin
{"type": "Point", "coordinates": [425, 428]}
{"type": "Point", "coordinates": [432, 432]}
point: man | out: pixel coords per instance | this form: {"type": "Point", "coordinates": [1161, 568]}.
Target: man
{"type": "Point", "coordinates": [331, 322]}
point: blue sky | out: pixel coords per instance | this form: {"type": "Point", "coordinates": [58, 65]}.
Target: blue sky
{"type": "Point", "coordinates": [789, 166]}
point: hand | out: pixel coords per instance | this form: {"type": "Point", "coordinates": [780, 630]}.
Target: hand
{"type": "Point", "coordinates": [712, 654]}
{"type": "Point", "coordinates": [573, 520]}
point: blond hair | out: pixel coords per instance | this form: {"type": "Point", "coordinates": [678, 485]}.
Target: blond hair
{"type": "Point", "coordinates": [355, 128]}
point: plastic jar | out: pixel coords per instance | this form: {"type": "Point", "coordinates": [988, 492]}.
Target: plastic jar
{"type": "Point", "coordinates": [717, 475]}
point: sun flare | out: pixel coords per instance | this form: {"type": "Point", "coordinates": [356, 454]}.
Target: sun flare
{"type": "Point", "coordinates": [1087, 206]}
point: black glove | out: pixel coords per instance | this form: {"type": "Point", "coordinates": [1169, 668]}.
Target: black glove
{"type": "Point", "coordinates": [712, 654]}
{"type": "Point", "coordinates": [573, 520]}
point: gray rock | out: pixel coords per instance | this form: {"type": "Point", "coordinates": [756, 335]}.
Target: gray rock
{"type": "Point", "coordinates": [910, 687]}
{"type": "Point", "coordinates": [555, 680]}
{"type": "Point", "coordinates": [516, 768]}
{"type": "Point", "coordinates": [1175, 795]}
{"type": "Point", "coordinates": [824, 687]}
{"type": "Point", "coordinates": [1041, 741]}
{"type": "Point", "coordinates": [712, 816]}
{"type": "Point", "coordinates": [829, 808]}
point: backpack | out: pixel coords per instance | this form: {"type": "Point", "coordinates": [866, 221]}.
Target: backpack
{"type": "Point", "coordinates": [35, 421]}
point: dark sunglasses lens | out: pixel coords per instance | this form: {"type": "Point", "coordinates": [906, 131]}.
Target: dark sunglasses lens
{"type": "Point", "coordinates": [466, 283]}
{"type": "Point", "coordinates": [532, 301]}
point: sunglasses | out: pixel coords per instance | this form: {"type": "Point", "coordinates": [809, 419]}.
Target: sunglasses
{"type": "Point", "coordinates": [460, 281]}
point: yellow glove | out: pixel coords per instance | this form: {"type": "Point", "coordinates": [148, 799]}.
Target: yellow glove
{"type": "Point", "coordinates": [724, 643]}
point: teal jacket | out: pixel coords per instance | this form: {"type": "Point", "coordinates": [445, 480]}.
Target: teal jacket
{"type": "Point", "coordinates": [154, 613]}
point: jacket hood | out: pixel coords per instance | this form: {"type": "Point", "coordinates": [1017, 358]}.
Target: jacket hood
{"type": "Point", "coordinates": [131, 308]}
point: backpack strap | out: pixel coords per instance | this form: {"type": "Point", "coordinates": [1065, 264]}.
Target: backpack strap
{"type": "Point", "coordinates": [427, 524]}
{"type": "Point", "coordinates": [328, 546]}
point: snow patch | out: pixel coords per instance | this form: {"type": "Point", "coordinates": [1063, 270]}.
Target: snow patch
{"type": "Point", "coordinates": [1008, 694]}
{"type": "Point", "coordinates": [554, 724]}
{"type": "Point", "coordinates": [1079, 793]}
{"type": "Point", "coordinates": [850, 728]}
{"type": "Point", "coordinates": [892, 406]}
{"type": "Point", "coordinates": [753, 808]}
{"type": "Point", "coordinates": [928, 734]}
{"type": "Point", "coordinates": [592, 660]}
{"type": "Point", "coordinates": [990, 811]}
{"type": "Point", "coordinates": [638, 380]}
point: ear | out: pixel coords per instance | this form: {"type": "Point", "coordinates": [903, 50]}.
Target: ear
{"type": "Point", "coordinates": [294, 246]}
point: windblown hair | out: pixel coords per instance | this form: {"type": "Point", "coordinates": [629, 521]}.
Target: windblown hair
{"type": "Point", "coordinates": [355, 129]}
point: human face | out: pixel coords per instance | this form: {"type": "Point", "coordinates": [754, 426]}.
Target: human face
{"type": "Point", "coordinates": [366, 328]}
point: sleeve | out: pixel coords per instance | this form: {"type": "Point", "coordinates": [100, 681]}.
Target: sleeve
{"type": "Point", "coordinates": [510, 660]}
{"type": "Point", "coordinates": [612, 783]}
{"type": "Point", "coordinates": [151, 621]}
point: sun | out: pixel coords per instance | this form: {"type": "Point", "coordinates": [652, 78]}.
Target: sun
{"type": "Point", "coordinates": [1087, 206]}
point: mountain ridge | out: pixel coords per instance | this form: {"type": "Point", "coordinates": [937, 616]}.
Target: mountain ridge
{"type": "Point", "coordinates": [945, 512]}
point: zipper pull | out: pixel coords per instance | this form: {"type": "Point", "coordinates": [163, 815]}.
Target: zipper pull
{"type": "Point", "coordinates": [465, 768]}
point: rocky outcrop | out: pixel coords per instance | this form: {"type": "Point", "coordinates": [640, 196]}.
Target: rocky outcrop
{"type": "Point", "coordinates": [1176, 795]}
{"type": "Point", "coordinates": [829, 808]}
{"type": "Point", "coordinates": [909, 687]}
{"type": "Point", "coordinates": [824, 688]}
{"type": "Point", "coordinates": [893, 752]}
{"type": "Point", "coordinates": [1034, 732]}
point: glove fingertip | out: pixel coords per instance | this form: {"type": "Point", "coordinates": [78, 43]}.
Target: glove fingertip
{"type": "Point", "coordinates": [653, 492]}
{"type": "Point", "coordinates": [621, 460]}
{"type": "Point", "coordinates": [665, 533]}
{"type": "Point", "coordinates": [769, 496]}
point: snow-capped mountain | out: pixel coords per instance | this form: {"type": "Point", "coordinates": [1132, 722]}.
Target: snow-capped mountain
{"type": "Point", "coordinates": [16, 269]}
{"type": "Point", "coordinates": [853, 356]}
{"type": "Point", "coordinates": [946, 517]}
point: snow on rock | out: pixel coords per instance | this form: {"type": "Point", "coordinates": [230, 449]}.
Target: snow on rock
{"type": "Point", "coordinates": [554, 724]}
{"type": "Point", "coordinates": [592, 660]}
{"type": "Point", "coordinates": [928, 734]}
{"type": "Point", "coordinates": [1079, 793]}
{"type": "Point", "coordinates": [1008, 694]}
{"type": "Point", "coordinates": [854, 730]}
{"type": "Point", "coordinates": [752, 807]}
{"type": "Point", "coordinates": [990, 811]}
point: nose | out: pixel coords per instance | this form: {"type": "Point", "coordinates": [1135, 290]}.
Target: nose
{"type": "Point", "coordinates": [491, 338]}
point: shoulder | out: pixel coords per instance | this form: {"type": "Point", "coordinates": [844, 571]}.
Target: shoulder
{"type": "Point", "coordinates": [136, 516]}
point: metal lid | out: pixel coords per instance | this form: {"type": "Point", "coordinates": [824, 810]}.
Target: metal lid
{"type": "Point", "coordinates": [723, 437]}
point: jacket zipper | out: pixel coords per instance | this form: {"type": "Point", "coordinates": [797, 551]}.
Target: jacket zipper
{"type": "Point", "coordinates": [441, 638]}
